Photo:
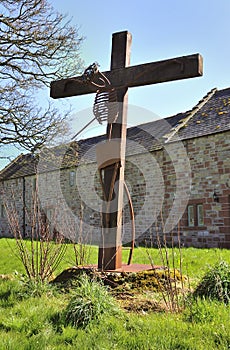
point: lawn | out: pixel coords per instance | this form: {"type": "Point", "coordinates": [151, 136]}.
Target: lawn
{"type": "Point", "coordinates": [32, 317]}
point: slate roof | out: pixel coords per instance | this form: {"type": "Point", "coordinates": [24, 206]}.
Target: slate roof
{"type": "Point", "coordinates": [23, 165]}
{"type": "Point", "coordinates": [49, 159]}
{"type": "Point", "coordinates": [211, 115]}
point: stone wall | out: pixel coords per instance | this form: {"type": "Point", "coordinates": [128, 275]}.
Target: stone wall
{"type": "Point", "coordinates": [162, 184]}
{"type": "Point", "coordinates": [16, 199]}
{"type": "Point", "coordinates": [210, 163]}
{"type": "Point", "coordinates": [210, 187]}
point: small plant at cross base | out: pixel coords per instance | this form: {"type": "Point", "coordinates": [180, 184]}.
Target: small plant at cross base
{"type": "Point", "coordinates": [172, 289]}
{"type": "Point", "coordinates": [89, 302]}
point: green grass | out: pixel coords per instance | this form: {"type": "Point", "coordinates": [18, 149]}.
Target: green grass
{"type": "Point", "coordinates": [31, 320]}
{"type": "Point", "coordinates": [35, 323]}
{"type": "Point", "coordinates": [10, 262]}
{"type": "Point", "coordinates": [194, 261]}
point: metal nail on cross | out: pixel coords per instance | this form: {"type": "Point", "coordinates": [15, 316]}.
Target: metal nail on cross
{"type": "Point", "coordinates": [122, 76]}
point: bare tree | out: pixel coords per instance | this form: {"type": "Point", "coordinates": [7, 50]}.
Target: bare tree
{"type": "Point", "coordinates": [37, 45]}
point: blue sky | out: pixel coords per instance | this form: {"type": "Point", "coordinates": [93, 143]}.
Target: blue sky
{"type": "Point", "coordinates": [160, 30]}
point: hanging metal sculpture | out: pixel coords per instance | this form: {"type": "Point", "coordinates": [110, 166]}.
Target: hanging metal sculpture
{"type": "Point", "coordinates": [105, 109]}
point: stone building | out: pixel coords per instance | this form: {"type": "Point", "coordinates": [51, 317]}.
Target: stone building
{"type": "Point", "coordinates": [177, 172]}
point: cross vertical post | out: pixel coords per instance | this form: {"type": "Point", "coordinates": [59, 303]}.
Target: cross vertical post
{"type": "Point", "coordinates": [122, 76]}
{"type": "Point", "coordinates": [110, 255]}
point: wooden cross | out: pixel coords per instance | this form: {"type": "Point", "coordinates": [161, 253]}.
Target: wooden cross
{"type": "Point", "coordinates": [122, 76]}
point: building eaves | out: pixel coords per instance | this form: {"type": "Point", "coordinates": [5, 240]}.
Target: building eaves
{"type": "Point", "coordinates": [211, 115]}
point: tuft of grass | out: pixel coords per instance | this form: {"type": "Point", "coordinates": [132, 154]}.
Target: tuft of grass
{"type": "Point", "coordinates": [202, 311]}
{"type": "Point", "coordinates": [215, 284]}
{"type": "Point", "coordinates": [90, 301]}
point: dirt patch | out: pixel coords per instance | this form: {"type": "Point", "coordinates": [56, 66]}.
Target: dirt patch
{"type": "Point", "coordinates": [139, 303]}
{"type": "Point", "coordinates": [153, 280]}
{"type": "Point", "coordinates": [135, 291]}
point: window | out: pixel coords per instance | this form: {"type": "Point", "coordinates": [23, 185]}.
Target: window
{"type": "Point", "coordinates": [49, 220]}
{"type": "Point", "coordinates": [49, 214]}
{"type": "Point", "coordinates": [195, 215]}
{"type": "Point", "coordinates": [2, 211]}
{"type": "Point", "coordinates": [191, 216]}
{"type": "Point", "coordinates": [200, 215]}
{"type": "Point", "coordinates": [72, 177]}
{"type": "Point", "coordinates": [34, 184]}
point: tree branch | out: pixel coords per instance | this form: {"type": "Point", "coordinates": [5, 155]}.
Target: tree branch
{"type": "Point", "coordinates": [37, 45]}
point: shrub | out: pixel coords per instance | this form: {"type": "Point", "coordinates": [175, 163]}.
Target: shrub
{"type": "Point", "coordinates": [90, 301]}
{"type": "Point", "coordinates": [215, 284]}
{"type": "Point", "coordinates": [43, 250]}
{"type": "Point", "coordinates": [201, 311]}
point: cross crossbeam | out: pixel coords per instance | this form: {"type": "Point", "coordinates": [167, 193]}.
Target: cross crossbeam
{"type": "Point", "coordinates": [143, 74]}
